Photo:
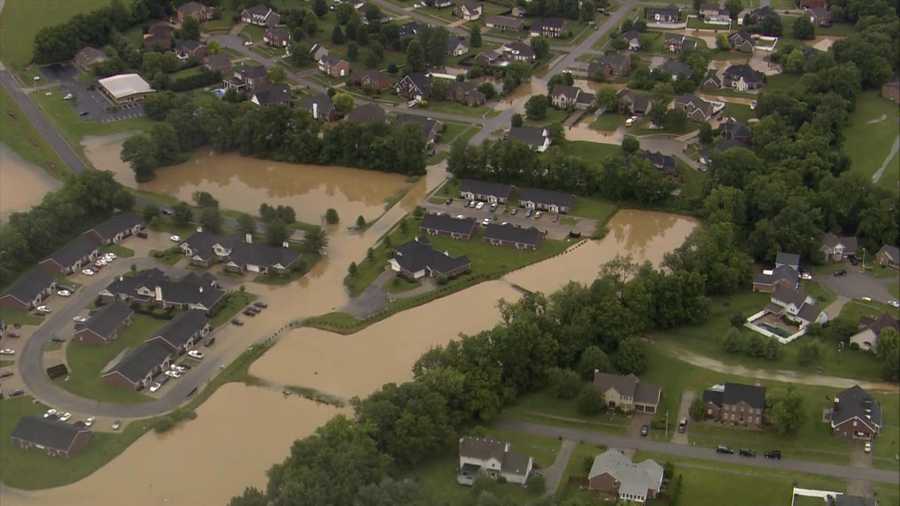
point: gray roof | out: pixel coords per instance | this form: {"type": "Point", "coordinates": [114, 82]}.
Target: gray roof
{"type": "Point", "coordinates": [533, 136]}
{"type": "Point", "coordinates": [453, 42]}
{"type": "Point", "coordinates": [748, 73]}
{"type": "Point", "coordinates": [853, 402]}
{"type": "Point", "coordinates": [830, 240]}
{"type": "Point", "coordinates": [512, 233]}
{"type": "Point", "coordinates": [75, 250]}
{"type": "Point", "coordinates": [257, 10]}
{"type": "Point", "coordinates": [660, 161]}
{"type": "Point", "coordinates": [181, 328]}
{"type": "Point", "coordinates": [251, 71]}
{"type": "Point", "coordinates": [780, 273]}
{"type": "Point", "coordinates": [547, 197]}
{"type": "Point", "coordinates": [809, 312]}
{"type": "Point", "coordinates": [631, 35]}
{"type": "Point", "coordinates": [108, 319]}
{"type": "Point", "coordinates": [139, 362]}
{"type": "Point", "coordinates": [367, 113]}
{"type": "Point", "coordinates": [447, 223]}
{"type": "Point", "coordinates": [551, 23]}
{"type": "Point", "coordinates": [30, 284]}
{"type": "Point", "coordinates": [753, 395]}
{"type": "Point", "coordinates": [218, 62]}
{"type": "Point", "coordinates": [671, 10]}
{"type": "Point", "coordinates": [192, 289]}
{"type": "Point", "coordinates": [569, 92]}
{"type": "Point", "coordinates": [190, 7]}
{"type": "Point", "coordinates": [733, 129]}
{"type": "Point", "coordinates": [676, 68]}
{"type": "Point", "coordinates": [891, 251]}
{"type": "Point", "coordinates": [47, 432]}
{"type": "Point", "coordinates": [629, 385]}
{"type": "Point", "coordinates": [790, 295]}
{"type": "Point", "coordinates": [634, 479]}
{"type": "Point", "coordinates": [851, 500]}
{"type": "Point", "coordinates": [791, 259]}
{"type": "Point", "coordinates": [427, 125]}
{"type": "Point", "coordinates": [273, 94]}
{"type": "Point", "coordinates": [507, 21]}
{"type": "Point", "coordinates": [187, 45]}
{"type": "Point", "coordinates": [740, 36]}
{"type": "Point", "coordinates": [499, 190]}
{"type": "Point", "coordinates": [421, 81]}
{"type": "Point", "coordinates": [485, 448]}
{"type": "Point", "coordinates": [696, 102]}
{"type": "Point", "coordinates": [417, 255]}
{"type": "Point", "coordinates": [521, 48]}
{"type": "Point", "coordinates": [876, 325]}
{"type": "Point", "coordinates": [640, 101]}
{"type": "Point", "coordinates": [617, 60]}
{"type": "Point", "coordinates": [118, 223]}
{"type": "Point", "coordinates": [323, 102]}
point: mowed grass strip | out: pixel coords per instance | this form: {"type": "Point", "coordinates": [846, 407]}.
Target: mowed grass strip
{"type": "Point", "coordinates": [17, 133]}
{"type": "Point", "coordinates": [870, 135]}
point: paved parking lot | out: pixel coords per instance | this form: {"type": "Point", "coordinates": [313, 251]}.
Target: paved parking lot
{"type": "Point", "coordinates": [555, 227]}
{"type": "Point", "coordinates": [89, 103]}
{"type": "Point", "coordinates": [856, 284]}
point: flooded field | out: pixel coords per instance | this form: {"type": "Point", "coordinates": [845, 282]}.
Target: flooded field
{"type": "Point", "coordinates": [243, 183]}
{"type": "Point", "coordinates": [238, 434]}
{"type": "Point", "coordinates": [22, 184]}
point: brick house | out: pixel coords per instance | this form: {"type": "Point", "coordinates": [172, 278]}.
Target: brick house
{"type": "Point", "coordinates": [471, 189]}
{"type": "Point", "coordinates": [29, 290]}
{"type": "Point", "coordinates": [855, 414]}
{"type": "Point", "coordinates": [510, 235]}
{"type": "Point", "coordinates": [334, 67]}
{"type": "Point", "coordinates": [888, 256]}
{"type": "Point", "coordinates": [612, 472]}
{"type": "Point", "coordinates": [546, 200]}
{"type": "Point", "coordinates": [73, 256]}
{"type": "Point", "coordinates": [54, 437]}
{"type": "Point", "coordinates": [736, 404]}
{"type": "Point", "coordinates": [104, 325]}
{"type": "Point", "coordinates": [627, 392]}
{"type": "Point", "coordinates": [551, 28]}
{"type": "Point", "coordinates": [196, 10]}
{"type": "Point", "coordinates": [373, 80]}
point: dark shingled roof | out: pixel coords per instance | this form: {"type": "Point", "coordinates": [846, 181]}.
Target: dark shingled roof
{"type": "Point", "coordinates": [499, 190]}
{"type": "Point", "coordinates": [780, 273]}
{"type": "Point", "coordinates": [512, 233]}
{"type": "Point", "coordinates": [251, 71]}
{"type": "Point", "coordinates": [547, 197]}
{"type": "Point", "coordinates": [426, 124]}
{"type": "Point", "coordinates": [30, 284]}
{"type": "Point", "coordinates": [877, 325]}
{"type": "Point", "coordinates": [137, 363]}
{"type": "Point", "coordinates": [751, 394]}
{"type": "Point", "coordinates": [367, 113]}
{"type": "Point", "coordinates": [118, 223]}
{"type": "Point", "coordinates": [891, 251]}
{"type": "Point", "coordinates": [273, 94]}
{"type": "Point", "coordinates": [853, 402]}
{"type": "Point", "coordinates": [533, 136]}
{"type": "Point", "coordinates": [323, 102]}
{"type": "Point", "coordinates": [570, 92]}
{"type": "Point", "coordinates": [108, 318]}
{"type": "Point", "coordinates": [47, 432]}
{"type": "Point", "coordinates": [790, 295]}
{"type": "Point", "coordinates": [628, 385]}
{"type": "Point", "coordinates": [75, 250]}
{"type": "Point", "coordinates": [447, 223]}
{"type": "Point", "coordinates": [417, 255]}
{"type": "Point", "coordinates": [485, 449]}
{"type": "Point", "coordinates": [851, 500]}
{"type": "Point", "coordinates": [783, 258]}
{"type": "Point", "coordinates": [677, 68]}
{"type": "Point", "coordinates": [750, 75]}
{"type": "Point", "coordinates": [177, 332]}
{"type": "Point", "coordinates": [186, 290]}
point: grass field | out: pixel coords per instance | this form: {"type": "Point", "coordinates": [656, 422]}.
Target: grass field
{"type": "Point", "coordinates": [234, 302]}
{"type": "Point", "coordinates": [553, 116]}
{"type": "Point", "coordinates": [22, 19]}
{"type": "Point", "coordinates": [14, 316]}
{"type": "Point", "coordinates": [597, 209]}
{"type": "Point", "coordinates": [608, 122]}
{"type": "Point", "coordinates": [545, 408]}
{"type": "Point", "coordinates": [738, 111]}
{"type": "Point", "coordinates": [87, 360]}
{"type": "Point", "coordinates": [17, 133]}
{"type": "Point", "coordinates": [868, 144]}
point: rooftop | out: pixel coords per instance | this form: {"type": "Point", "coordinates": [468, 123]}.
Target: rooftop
{"type": "Point", "coordinates": [125, 85]}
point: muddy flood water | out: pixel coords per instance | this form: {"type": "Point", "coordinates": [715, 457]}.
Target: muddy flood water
{"type": "Point", "coordinates": [244, 183]}
{"type": "Point", "coordinates": [22, 184]}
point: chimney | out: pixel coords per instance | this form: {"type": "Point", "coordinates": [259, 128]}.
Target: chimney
{"type": "Point", "coordinates": [315, 110]}
{"type": "Point", "coordinates": [248, 238]}
{"type": "Point", "coordinates": [158, 294]}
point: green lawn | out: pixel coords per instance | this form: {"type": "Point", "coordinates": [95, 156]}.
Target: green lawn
{"type": "Point", "coordinates": [85, 362]}
{"type": "Point", "coordinates": [22, 19]}
{"type": "Point", "coordinates": [738, 111]}
{"type": "Point", "coordinates": [545, 408]}
{"type": "Point", "coordinates": [6, 363]}
{"type": "Point", "coordinates": [234, 303]}
{"type": "Point", "coordinates": [119, 250]}
{"type": "Point", "coordinates": [593, 153]}
{"type": "Point", "coordinates": [608, 122]}
{"type": "Point", "coordinates": [868, 144]}
{"type": "Point", "coordinates": [553, 116]}
{"type": "Point", "coordinates": [454, 108]}
{"type": "Point", "coordinates": [400, 285]}
{"type": "Point", "coordinates": [17, 133]}
{"type": "Point", "coordinates": [597, 209]}
{"type": "Point", "coordinates": [457, 131]}
{"type": "Point", "coordinates": [781, 82]}
{"type": "Point", "coordinates": [14, 316]}
{"type": "Point", "coordinates": [835, 30]}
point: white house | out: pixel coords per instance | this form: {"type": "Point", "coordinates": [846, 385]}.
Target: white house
{"type": "Point", "coordinates": [492, 458]}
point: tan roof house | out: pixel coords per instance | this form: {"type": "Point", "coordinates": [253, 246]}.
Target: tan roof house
{"type": "Point", "coordinates": [627, 393]}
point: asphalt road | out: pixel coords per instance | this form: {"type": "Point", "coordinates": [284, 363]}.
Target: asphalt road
{"type": "Point", "coordinates": [695, 452]}
{"type": "Point", "coordinates": [41, 123]}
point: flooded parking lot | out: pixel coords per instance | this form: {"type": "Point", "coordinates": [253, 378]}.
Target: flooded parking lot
{"type": "Point", "coordinates": [22, 184]}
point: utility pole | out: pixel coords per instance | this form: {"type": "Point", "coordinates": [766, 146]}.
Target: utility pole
{"type": "Point", "coordinates": [667, 425]}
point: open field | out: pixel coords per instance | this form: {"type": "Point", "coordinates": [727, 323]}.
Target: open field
{"type": "Point", "coordinates": [20, 136]}
{"type": "Point", "coordinates": [592, 153]}
{"type": "Point", "coordinates": [14, 316]}
{"type": "Point", "coordinates": [870, 135]}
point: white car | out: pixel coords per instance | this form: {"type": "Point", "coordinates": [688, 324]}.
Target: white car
{"type": "Point", "coordinates": [64, 293]}
{"type": "Point", "coordinates": [7, 351]}
{"type": "Point", "coordinates": [894, 303]}
{"type": "Point", "coordinates": [170, 373]}
{"type": "Point", "coordinates": [196, 354]}
{"type": "Point", "coordinates": [176, 367]}
{"type": "Point", "coordinates": [629, 122]}
{"type": "Point", "coordinates": [89, 421]}
{"type": "Point", "coordinates": [866, 299]}
{"type": "Point", "coordinates": [100, 263]}
{"type": "Point", "coordinates": [807, 276]}
{"type": "Point", "coordinates": [868, 447]}
{"type": "Point", "coordinates": [459, 217]}
{"type": "Point", "coordinates": [111, 255]}
{"type": "Point", "coordinates": [50, 412]}
{"type": "Point", "coordinates": [486, 221]}
{"type": "Point", "coordinates": [68, 96]}
{"type": "Point", "coordinates": [538, 214]}
{"type": "Point", "coordinates": [155, 386]}
{"type": "Point", "coordinates": [80, 318]}
{"type": "Point", "coordinates": [248, 43]}
{"type": "Point", "coordinates": [479, 205]}
{"type": "Point", "coordinates": [116, 425]}
{"type": "Point", "coordinates": [88, 272]}
{"type": "Point", "coordinates": [65, 417]}
{"type": "Point", "coordinates": [43, 309]}
{"type": "Point", "coordinates": [175, 238]}
{"type": "Point", "coordinates": [36, 78]}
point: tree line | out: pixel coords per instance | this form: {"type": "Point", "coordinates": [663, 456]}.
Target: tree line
{"type": "Point", "coordinates": [277, 133]}
{"type": "Point", "coordinates": [469, 381]}
{"type": "Point", "coordinates": [85, 200]}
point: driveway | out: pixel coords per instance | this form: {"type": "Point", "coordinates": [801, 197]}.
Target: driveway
{"type": "Point", "coordinates": [555, 229]}
{"type": "Point", "coordinates": [684, 412]}
{"type": "Point", "coordinates": [694, 452]}
{"type": "Point", "coordinates": [553, 474]}
{"type": "Point", "coordinates": [856, 284]}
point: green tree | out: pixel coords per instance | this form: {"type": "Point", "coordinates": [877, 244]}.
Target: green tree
{"type": "Point", "coordinates": [315, 241]}
{"type": "Point", "coordinates": [593, 359]}
{"type": "Point", "coordinates": [141, 154]}
{"type": "Point", "coordinates": [182, 214]}
{"type": "Point", "coordinates": [565, 383]}
{"type": "Point", "coordinates": [475, 35]}
{"type": "Point", "coordinates": [415, 56]}
{"type": "Point", "coordinates": [150, 212]}
{"type": "Point", "coordinates": [277, 233]}
{"type": "Point", "coordinates": [787, 413]}
{"type": "Point", "coordinates": [516, 120]}
{"type": "Point", "coordinates": [536, 107]}
{"type": "Point", "coordinates": [722, 42]}
{"type": "Point", "coordinates": [251, 496]}
{"type": "Point", "coordinates": [352, 51]}
{"type": "Point", "coordinates": [190, 29]}
{"type": "Point", "coordinates": [204, 199]}
{"type": "Point", "coordinates": [211, 219]}
{"type": "Point", "coordinates": [706, 134]}
{"type": "Point", "coordinates": [589, 401]}
{"type": "Point", "coordinates": [631, 357]}
{"type": "Point", "coordinates": [320, 7]}
{"type": "Point", "coordinates": [734, 7]}
{"type": "Point", "coordinates": [360, 222]}
{"type": "Point", "coordinates": [804, 29]}
{"type": "Point", "coordinates": [808, 353]}
{"type": "Point", "coordinates": [343, 102]}
{"type": "Point", "coordinates": [888, 352]}
{"type": "Point", "coordinates": [331, 216]}
{"type": "Point", "coordinates": [607, 100]}
{"type": "Point", "coordinates": [337, 35]}
{"type": "Point", "coordinates": [277, 74]}
{"type": "Point", "coordinates": [630, 145]}
{"type": "Point", "coordinates": [246, 224]}
{"type": "Point", "coordinates": [697, 409]}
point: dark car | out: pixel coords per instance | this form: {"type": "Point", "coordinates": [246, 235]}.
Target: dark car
{"type": "Point", "coordinates": [209, 342]}
{"type": "Point", "coordinates": [237, 322]}
{"type": "Point", "coordinates": [262, 305]}
{"type": "Point", "coordinates": [853, 260]}
{"type": "Point", "coordinates": [773, 454]}
{"type": "Point", "coordinates": [842, 272]}
{"type": "Point", "coordinates": [724, 449]}
{"type": "Point", "coordinates": [249, 312]}
{"type": "Point", "coordinates": [682, 426]}
{"type": "Point", "coordinates": [56, 339]}
{"type": "Point", "coordinates": [744, 452]}
{"type": "Point", "coordinates": [449, 201]}
{"type": "Point", "coordinates": [141, 234]}
{"type": "Point", "coordinates": [16, 393]}
{"type": "Point", "coordinates": [645, 429]}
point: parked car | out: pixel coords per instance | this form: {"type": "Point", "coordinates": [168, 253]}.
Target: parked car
{"type": "Point", "coordinates": [6, 374]}
{"type": "Point", "coordinates": [806, 276]}
{"type": "Point", "coordinates": [176, 367]}
{"type": "Point", "coordinates": [64, 293]}
{"type": "Point", "coordinates": [7, 351]}
{"type": "Point", "coordinates": [486, 221]}
{"type": "Point", "coordinates": [80, 318]}
{"type": "Point", "coordinates": [88, 272]}
{"type": "Point", "coordinates": [449, 201]}
{"type": "Point", "coordinates": [645, 430]}
{"type": "Point", "coordinates": [196, 354]}
{"type": "Point", "coordinates": [211, 341]}
{"type": "Point", "coordinates": [116, 425]}
{"type": "Point", "coordinates": [528, 213]}
{"type": "Point", "coordinates": [249, 312]}
{"type": "Point", "coordinates": [89, 421]}
{"type": "Point", "coordinates": [459, 216]}
{"type": "Point", "coordinates": [867, 447]}
{"type": "Point", "coordinates": [724, 449]}
{"type": "Point", "coordinates": [773, 454]}
{"type": "Point", "coordinates": [43, 309]}
{"type": "Point", "coordinates": [472, 203]}
{"type": "Point", "coordinates": [260, 304]}
{"type": "Point", "coordinates": [479, 205]}
{"type": "Point", "coordinates": [538, 214]}
{"type": "Point", "coordinates": [65, 417]}
{"type": "Point", "coordinates": [866, 299]}
{"type": "Point", "coordinates": [682, 426]}
{"type": "Point", "coordinates": [17, 392]}
{"type": "Point", "coordinates": [236, 322]}
{"type": "Point", "coordinates": [894, 303]}
{"type": "Point", "coordinates": [745, 452]}
{"type": "Point", "coordinates": [175, 238]}
{"type": "Point", "coordinates": [155, 386]}
{"type": "Point", "coordinates": [50, 412]}
{"type": "Point", "coordinates": [842, 272]}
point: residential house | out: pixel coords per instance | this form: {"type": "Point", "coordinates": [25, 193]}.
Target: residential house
{"type": "Point", "coordinates": [117, 228]}
{"type": "Point", "coordinates": [610, 66]}
{"type": "Point", "coordinates": [277, 36]}
{"type": "Point", "coordinates": [414, 86]}
{"type": "Point", "coordinates": [731, 129]}
{"type": "Point", "coordinates": [260, 15]}
{"type": "Point", "coordinates": [552, 28]}
{"type": "Point", "coordinates": [694, 107]}
{"type": "Point", "coordinates": [715, 15]}
{"type": "Point", "coordinates": [444, 224]}
{"type": "Point", "coordinates": [492, 58]}
{"type": "Point", "coordinates": [136, 368]}
{"type": "Point", "coordinates": [158, 37]}
{"type": "Point", "coordinates": [870, 330]}
{"type": "Point", "coordinates": [791, 260]}
{"type": "Point", "coordinates": [612, 472]}
{"type": "Point", "coordinates": [505, 23]}
{"type": "Point", "coordinates": [439, 4]}
{"type": "Point", "coordinates": [334, 67]}
{"type": "Point", "coordinates": [768, 279]}
{"type": "Point", "coordinates": [272, 94]}
{"type": "Point", "coordinates": [456, 46]}
{"type": "Point", "coordinates": [564, 97]}
{"type": "Point", "coordinates": [519, 51]}
{"type": "Point", "coordinates": [888, 256]}
{"type": "Point", "coordinates": [891, 90]}
{"type": "Point", "coordinates": [465, 92]}
{"type": "Point", "coordinates": [183, 332]}
{"type": "Point", "coordinates": [104, 325]}
{"type": "Point", "coordinates": [661, 162]}
{"type": "Point", "coordinates": [634, 102]}
{"type": "Point", "coordinates": [196, 10]}
{"type": "Point", "coordinates": [246, 78]}
{"type": "Point", "coordinates": [238, 254]}
{"type": "Point", "coordinates": [546, 200]}
{"type": "Point", "coordinates": [496, 459]}
{"type": "Point", "coordinates": [56, 438]}
{"type": "Point", "coordinates": [795, 305]}
{"type": "Point", "coordinates": [662, 15]}
{"type": "Point", "coordinates": [317, 52]}
{"type": "Point", "coordinates": [633, 39]}
{"type": "Point", "coordinates": [367, 114]}
{"type": "Point", "coordinates": [75, 254]}
{"type": "Point", "coordinates": [430, 127]}
{"type": "Point", "coordinates": [676, 43]}
{"type": "Point", "coordinates": [627, 393]}
{"type": "Point", "coordinates": [711, 81]}
{"type": "Point", "coordinates": [494, 193]}
{"type": "Point", "coordinates": [218, 63]}
{"type": "Point", "coordinates": [152, 286]}
{"type": "Point", "coordinates": [855, 414]}
{"type": "Point", "coordinates": [29, 290]}
{"type": "Point", "coordinates": [88, 57]}
{"type": "Point", "coordinates": [469, 10]}
{"type": "Point", "coordinates": [373, 80]}
{"type": "Point", "coordinates": [676, 70]}
{"type": "Point", "coordinates": [417, 259]}
{"type": "Point", "coordinates": [837, 248]}
{"type": "Point", "coordinates": [510, 235]}
{"type": "Point", "coordinates": [756, 16]}
{"type": "Point", "coordinates": [535, 138]}
{"type": "Point", "coordinates": [320, 107]}
{"type": "Point", "coordinates": [806, 4]}
{"type": "Point", "coordinates": [819, 16]}
{"type": "Point", "coordinates": [741, 41]}
{"type": "Point", "coordinates": [736, 403]}
{"type": "Point", "coordinates": [187, 49]}
{"type": "Point", "coordinates": [743, 77]}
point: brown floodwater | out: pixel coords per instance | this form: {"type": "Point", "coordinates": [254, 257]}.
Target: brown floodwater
{"type": "Point", "coordinates": [22, 183]}
{"type": "Point", "coordinates": [244, 183]}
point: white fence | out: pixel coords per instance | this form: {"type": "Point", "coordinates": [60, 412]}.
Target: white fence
{"type": "Point", "coordinates": [760, 330]}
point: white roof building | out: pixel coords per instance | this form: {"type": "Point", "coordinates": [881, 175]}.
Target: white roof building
{"type": "Point", "coordinates": [125, 86]}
